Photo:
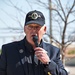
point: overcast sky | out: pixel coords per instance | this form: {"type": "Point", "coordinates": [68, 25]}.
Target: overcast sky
{"type": "Point", "coordinates": [9, 16]}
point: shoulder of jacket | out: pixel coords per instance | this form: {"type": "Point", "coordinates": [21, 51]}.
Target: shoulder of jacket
{"type": "Point", "coordinates": [11, 44]}
{"type": "Point", "coordinates": [52, 46]}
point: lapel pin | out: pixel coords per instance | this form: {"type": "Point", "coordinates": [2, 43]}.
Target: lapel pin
{"type": "Point", "coordinates": [21, 50]}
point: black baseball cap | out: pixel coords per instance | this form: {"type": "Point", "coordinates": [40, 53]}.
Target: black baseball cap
{"type": "Point", "coordinates": [35, 17]}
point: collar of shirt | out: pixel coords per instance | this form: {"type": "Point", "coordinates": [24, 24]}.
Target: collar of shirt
{"type": "Point", "coordinates": [29, 46]}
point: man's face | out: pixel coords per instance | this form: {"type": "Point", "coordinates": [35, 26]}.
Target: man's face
{"type": "Point", "coordinates": [34, 29]}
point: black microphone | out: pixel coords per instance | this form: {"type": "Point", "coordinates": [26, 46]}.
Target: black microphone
{"type": "Point", "coordinates": [35, 39]}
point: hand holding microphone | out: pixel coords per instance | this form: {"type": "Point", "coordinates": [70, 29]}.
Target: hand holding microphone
{"type": "Point", "coordinates": [40, 52]}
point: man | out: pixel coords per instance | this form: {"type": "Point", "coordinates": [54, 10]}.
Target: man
{"type": "Point", "coordinates": [31, 56]}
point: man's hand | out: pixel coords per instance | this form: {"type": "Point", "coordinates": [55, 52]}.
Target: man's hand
{"type": "Point", "coordinates": [41, 54]}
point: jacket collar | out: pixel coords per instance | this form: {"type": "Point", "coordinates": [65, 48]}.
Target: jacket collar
{"type": "Point", "coordinates": [24, 44]}
{"type": "Point", "coordinates": [46, 47]}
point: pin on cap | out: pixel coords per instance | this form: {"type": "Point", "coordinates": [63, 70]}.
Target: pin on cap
{"type": "Point", "coordinates": [35, 17]}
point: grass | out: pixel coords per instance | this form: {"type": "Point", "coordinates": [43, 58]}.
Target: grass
{"type": "Point", "coordinates": [0, 51]}
{"type": "Point", "coordinates": [71, 52]}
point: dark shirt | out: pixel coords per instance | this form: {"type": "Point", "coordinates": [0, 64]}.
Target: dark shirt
{"type": "Point", "coordinates": [36, 67]}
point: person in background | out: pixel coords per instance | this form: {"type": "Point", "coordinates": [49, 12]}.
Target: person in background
{"type": "Point", "coordinates": [31, 56]}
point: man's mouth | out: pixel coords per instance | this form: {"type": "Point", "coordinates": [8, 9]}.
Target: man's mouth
{"type": "Point", "coordinates": [34, 35]}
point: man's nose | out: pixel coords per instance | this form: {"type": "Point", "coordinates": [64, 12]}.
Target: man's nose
{"type": "Point", "coordinates": [34, 31]}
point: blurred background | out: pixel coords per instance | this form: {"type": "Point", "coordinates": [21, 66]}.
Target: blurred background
{"type": "Point", "coordinates": [60, 22]}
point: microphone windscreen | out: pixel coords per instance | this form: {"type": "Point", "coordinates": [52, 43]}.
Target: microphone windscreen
{"type": "Point", "coordinates": [35, 39]}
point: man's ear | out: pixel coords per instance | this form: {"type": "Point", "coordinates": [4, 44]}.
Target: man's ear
{"type": "Point", "coordinates": [45, 29]}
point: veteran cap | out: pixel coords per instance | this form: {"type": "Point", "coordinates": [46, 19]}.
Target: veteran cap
{"type": "Point", "coordinates": [35, 17]}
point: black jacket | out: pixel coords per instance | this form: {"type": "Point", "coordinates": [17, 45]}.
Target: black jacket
{"type": "Point", "coordinates": [17, 58]}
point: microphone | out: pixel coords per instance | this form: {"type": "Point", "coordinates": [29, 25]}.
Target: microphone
{"type": "Point", "coordinates": [35, 39]}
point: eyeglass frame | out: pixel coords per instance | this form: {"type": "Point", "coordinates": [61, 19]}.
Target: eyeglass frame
{"type": "Point", "coordinates": [29, 27]}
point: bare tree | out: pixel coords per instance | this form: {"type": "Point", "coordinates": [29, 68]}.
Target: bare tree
{"type": "Point", "coordinates": [61, 14]}
{"type": "Point", "coordinates": [15, 18]}
{"type": "Point", "coordinates": [61, 21]}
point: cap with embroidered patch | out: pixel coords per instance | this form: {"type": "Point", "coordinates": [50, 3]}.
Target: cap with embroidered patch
{"type": "Point", "coordinates": [35, 17]}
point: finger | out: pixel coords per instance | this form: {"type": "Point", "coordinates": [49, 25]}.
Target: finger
{"type": "Point", "coordinates": [38, 48]}
{"type": "Point", "coordinates": [39, 56]}
{"type": "Point", "coordinates": [43, 52]}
